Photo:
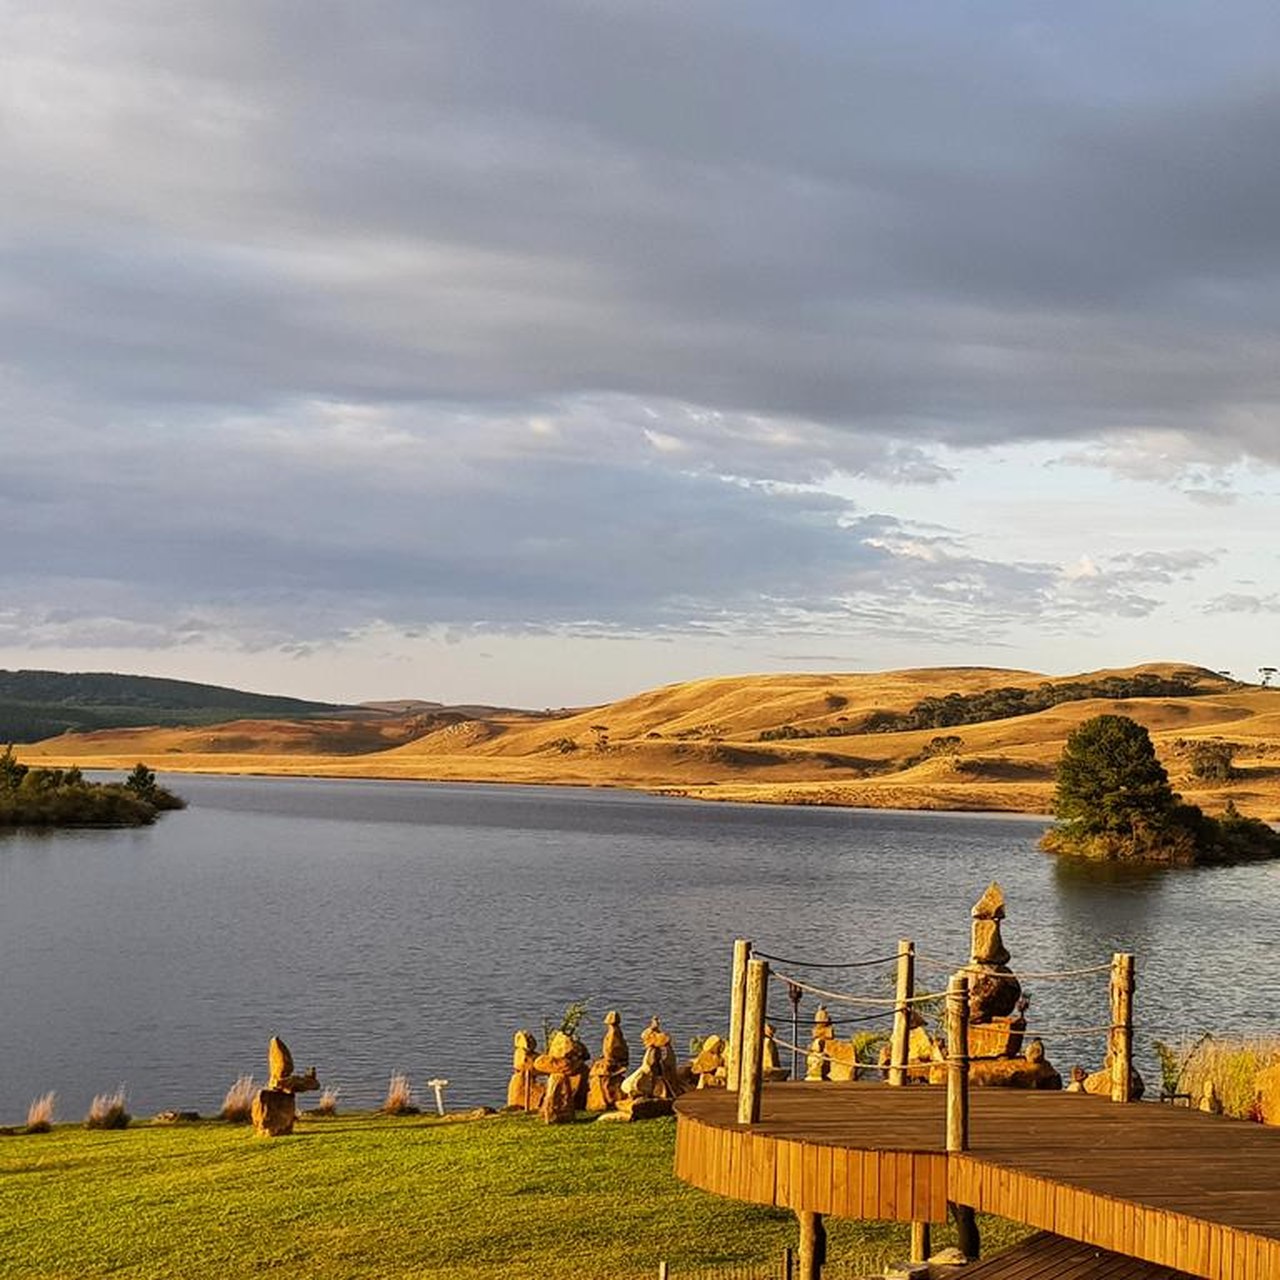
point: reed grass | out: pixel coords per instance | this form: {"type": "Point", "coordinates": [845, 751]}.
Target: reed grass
{"type": "Point", "coordinates": [107, 1111]}
{"type": "Point", "coordinates": [237, 1106]}
{"type": "Point", "coordinates": [1231, 1065]}
{"type": "Point", "coordinates": [40, 1113]}
{"type": "Point", "coordinates": [399, 1099]}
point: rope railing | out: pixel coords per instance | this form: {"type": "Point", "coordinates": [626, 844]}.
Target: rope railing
{"type": "Point", "coordinates": [816, 964]}
{"type": "Point", "coordinates": [826, 1057]}
{"type": "Point", "coordinates": [842, 997]}
{"type": "Point", "coordinates": [1050, 975]}
{"type": "Point", "coordinates": [852, 1019]}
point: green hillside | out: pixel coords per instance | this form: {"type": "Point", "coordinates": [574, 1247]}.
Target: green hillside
{"type": "Point", "coordinates": [40, 704]}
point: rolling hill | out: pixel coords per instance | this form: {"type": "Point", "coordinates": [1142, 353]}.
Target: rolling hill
{"type": "Point", "coordinates": [793, 739]}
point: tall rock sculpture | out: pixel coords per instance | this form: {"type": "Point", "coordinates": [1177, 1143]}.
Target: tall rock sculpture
{"type": "Point", "coordinates": [524, 1089]}
{"type": "Point", "coordinates": [275, 1108]}
{"type": "Point", "coordinates": [996, 1024]}
{"type": "Point", "coordinates": [604, 1087]}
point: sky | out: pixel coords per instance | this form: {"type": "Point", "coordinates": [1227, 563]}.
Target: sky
{"type": "Point", "coordinates": [542, 351]}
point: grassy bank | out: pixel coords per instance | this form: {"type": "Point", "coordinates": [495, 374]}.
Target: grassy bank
{"type": "Point", "coordinates": [505, 1197]}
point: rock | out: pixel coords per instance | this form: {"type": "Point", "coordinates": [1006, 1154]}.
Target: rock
{"type": "Point", "coordinates": [816, 1065]}
{"type": "Point", "coordinates": [558, 1063]}
{"type": "Point", "coordinates": [1099, 1083]}
{"type": "Point", "coordinates": [1209, 1100]}
{"type": "Point", "coordinates": [1267, 1093]}
{"type": "Point", "coordinates": [175, 1117]}
{"type": "Point", "coordinates": [274, 1111]}
{"type": "Point", "coordinates": [604, 1082]}
{"type": "Point", "coordinates": [708, 1068]}
{"type": "Point", "coordinates": [275, 1108]}
{"type": "Point", "coordinates": [646, 1108]}
{"type": "Point", "coordinates": [1001, 1037]}
{"type": "Point", "coordinates": [1078, 1077]}
{"type": "Point", "coordinates": [771, 1068]}
{"type": "Point", "coordinates": [524, 1089]}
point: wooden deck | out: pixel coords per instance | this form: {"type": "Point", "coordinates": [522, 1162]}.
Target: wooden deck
{"type": "Point", "coordinates": [1166, 1185]}
{"type": "Point", "coordinates": [1050, 1257]}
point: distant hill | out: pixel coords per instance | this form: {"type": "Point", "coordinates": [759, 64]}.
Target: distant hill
{"type": "Point", "coordinates": [42, 704]}
{"type": "Point", "coordinates": [932, 738]}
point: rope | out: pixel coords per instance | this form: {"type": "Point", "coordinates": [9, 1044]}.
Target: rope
{"type": "Point", "coordinates": [888, 1002]}
{"type": "Point", "coordinates": [825, 1057]}
{"type": "Point", "coordinates": [1064, 1033]}
{"type": "Point", "coordinates": [814, 964]}
{"type": "Point", "coordinates": [938, 966]}
{"type": "Point", "coordinates": [840, 1022]}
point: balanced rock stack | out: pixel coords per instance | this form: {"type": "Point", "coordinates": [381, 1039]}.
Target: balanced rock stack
{"type": "Point", "coordinates": [604, 1088]}
{"type": "Point", "coordinates": [996, 1024]}
{"type": "Point", "coordinates": [651, 1089]}
{"type": "Point", "coordinates": [275, 1108]}
{"type": "Point", "coordinates": [524, 1089]}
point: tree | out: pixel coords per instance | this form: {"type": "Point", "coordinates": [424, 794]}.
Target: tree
{"type": "Point", "coordinates": [1111, 782]}
{"type": "Point", "coordinates": [142, 782]}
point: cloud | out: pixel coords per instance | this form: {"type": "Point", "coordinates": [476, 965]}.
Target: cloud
{"type": "Point", "coordinates": [525, 316]}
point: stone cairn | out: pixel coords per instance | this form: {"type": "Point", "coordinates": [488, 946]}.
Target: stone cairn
{"type": "Point", "coordinates": [275, 1108]}
{"type": "Point", "coordinates": [564, 1063]}
{"type": "Point", "coordinates": [524, 1089]}
{"type": "Point", "coordinates": [996, 1004]}
{"type": "Point", "coordinates": [604, 1085]}
{"type": "Point", "coordinates": [653, 1087]}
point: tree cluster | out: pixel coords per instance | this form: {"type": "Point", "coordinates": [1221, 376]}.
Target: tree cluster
{"type": "Point", "coordinates": [33, 797]}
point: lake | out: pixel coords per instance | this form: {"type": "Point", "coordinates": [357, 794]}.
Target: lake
{"type": "Point", "coordinates": [393, 926]}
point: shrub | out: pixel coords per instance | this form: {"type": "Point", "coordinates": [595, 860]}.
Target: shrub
{"type": "Point", "coordinates": [107, 1111]}
{"type": "Point", "coordinates": [40, 1114]}
{"type": "Point", "coordinates": [399, 1100]}
{"type": "Point", "coordinates": [237, 1106]}
{"type": "Point", "coordinates": [1232, 1067]}
{"type": "Point", "coordinates": [1213, 761]}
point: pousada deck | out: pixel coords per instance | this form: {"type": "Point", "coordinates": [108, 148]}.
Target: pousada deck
{"type": "Point", "coordinates": [1172, 1187]}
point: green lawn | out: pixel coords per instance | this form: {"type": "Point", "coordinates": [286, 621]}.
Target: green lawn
{"type": "Point", "coordinates": [367, 1197]}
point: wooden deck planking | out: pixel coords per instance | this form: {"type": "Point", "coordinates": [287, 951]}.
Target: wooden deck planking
{"type": "Point", "coordinates": [1050, 1257]}
{"type": "Point", "coordinates": [1171, 1186]}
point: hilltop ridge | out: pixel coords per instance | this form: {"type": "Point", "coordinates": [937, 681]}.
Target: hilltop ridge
{"type": "Point", "coordinates": [821, 738]}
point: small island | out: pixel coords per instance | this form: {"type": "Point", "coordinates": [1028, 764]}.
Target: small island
{"type": "Point", "coordinates": [1113, 803]}
{"type": "Point", "coordinates": [32, 797]}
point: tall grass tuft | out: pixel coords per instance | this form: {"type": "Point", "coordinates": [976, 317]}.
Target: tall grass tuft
{"type": "Point", "coordinates": [40, 1114]}
{"type": "Point", "coordinates": [237, 1106]}
{"type": "Point", "coordinates": [399, 1100]}
{"type": "Point", "coordinates": [328, 1103]}
{"type": "Point", "coordinates": [107, 1111]}
{"type": "Point", "coordinates": [1232, 1067]}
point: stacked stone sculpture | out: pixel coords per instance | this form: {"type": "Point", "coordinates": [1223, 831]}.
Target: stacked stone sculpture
{"type": "Point", "coordinates": [275, 1108]}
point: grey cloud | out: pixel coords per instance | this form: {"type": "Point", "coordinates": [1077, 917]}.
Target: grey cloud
{"type": "Point", "coordinates": [982, 232]}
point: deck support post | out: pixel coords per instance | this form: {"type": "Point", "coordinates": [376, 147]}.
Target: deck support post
{"type": "Point", "coordinates": [737, 1003]}
{"type": "Point", "coordinates": [813, 1245]}
{"type": "Point", "coordinates": [788, 1263]}
{"type": "Point", "coordinates": [1121, 1027]}
{"type": "Point", "coordinates": [958, 1102]}
{"type": "Point", "coordinates": [901, 1038]}
{"type": "Point", "coordinates": [753, 1019]}
{"type": "Point", "coordinates": [921, 1242]}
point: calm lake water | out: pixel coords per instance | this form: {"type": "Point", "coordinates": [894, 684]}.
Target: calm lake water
{"type": "Point", "coordinates": [411, 926]}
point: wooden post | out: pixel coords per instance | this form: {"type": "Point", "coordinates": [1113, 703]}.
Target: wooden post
{"type": "Point", "coordinates": [788, 1263]}
{"type": "Point", "coordinates": [1121, 1026]}
{"type": "Point", "coordinates": [958, 1101]}
{"type": "Point", "coordinates": [663, 1271]}
{"type": "Point", "coordinates": [737, 1002]}
{"type": "Point", "coordinates": [958, 1063]}
{"type": "Point", "coordinates": [813, 1245]}
{"type": "Point", "coordinates": [921, 1243]}
{"type": "Point", "coordinates": [901, 1039]}
{"type": "Point", "coordinates": [753, 1017]}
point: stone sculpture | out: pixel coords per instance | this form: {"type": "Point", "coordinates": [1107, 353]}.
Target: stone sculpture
{"type": "Point", "coordinates": [559, 1063]}
{"type": "Point", "coordinates": [604, 1087]}
{"type": "Point", "coordinates": [708, 1069]}
{"type": "Point", "coordinates": [524, 1090]}
{"type": "Point", "coordinates": [817, 1066]}
{"type": "Point", "coordinates": [771, 1068]}
{"type": "Point", "coordinates": [275, 1108]}
{"type": "Point", "coordinates": [651, 1089]}
{"type": "Point", "coordinates": [996, 1008]}
{"type": "Point", "coordinates": [1100, 1081]}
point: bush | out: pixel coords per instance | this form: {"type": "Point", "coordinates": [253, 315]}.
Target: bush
{"type": "Point", "coordinates": [107, 1111]}
{"type": "Point", "coordinates": [1213, 761]}
{"type": "Point", "coordinates": [1231, 1066]}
